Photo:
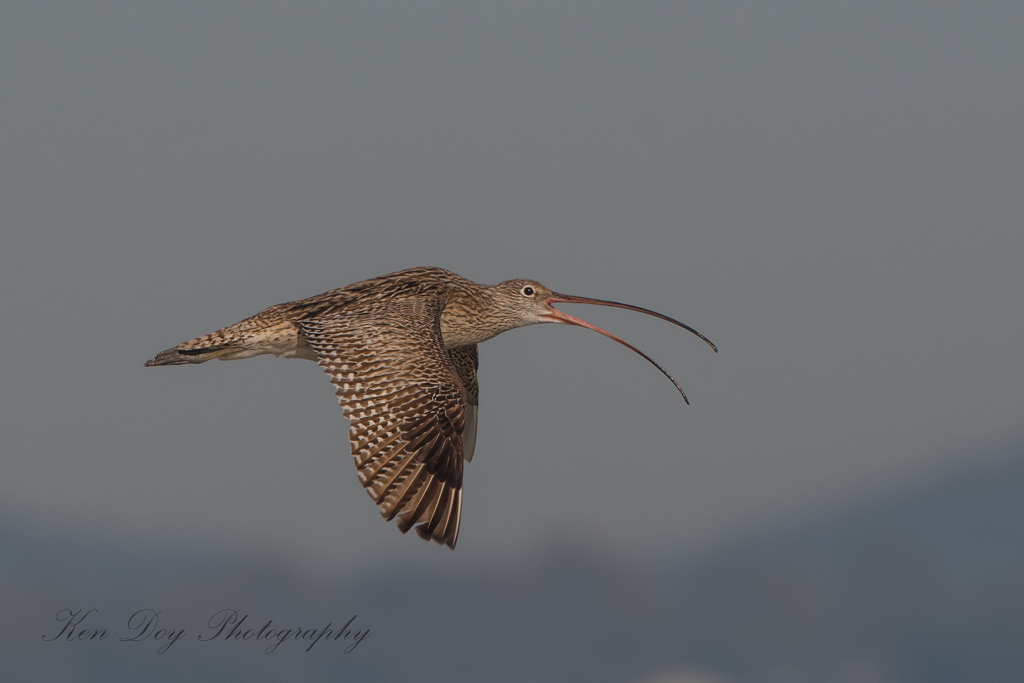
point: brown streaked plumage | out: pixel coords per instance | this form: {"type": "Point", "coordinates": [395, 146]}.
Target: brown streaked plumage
{"type": "Point", "coordinates": [401, 350]}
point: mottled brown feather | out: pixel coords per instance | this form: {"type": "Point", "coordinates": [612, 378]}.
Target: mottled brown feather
{"type": "Point", "coordinates": [466, 362]}
{"type": "Point", "coordinates": [406, 407]}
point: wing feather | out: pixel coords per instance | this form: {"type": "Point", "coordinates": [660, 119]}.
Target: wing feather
{"type": "Point", "coordinates": [466, 362]}
{"type": "Point", "coordinates": [406, 402]}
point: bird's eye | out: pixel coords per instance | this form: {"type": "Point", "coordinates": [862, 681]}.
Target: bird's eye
{"type": "Point", "coordinates": [528, 290]}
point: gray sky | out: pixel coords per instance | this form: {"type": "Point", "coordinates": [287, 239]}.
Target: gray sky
{"type": "Point", "coordinates": [831, 193]}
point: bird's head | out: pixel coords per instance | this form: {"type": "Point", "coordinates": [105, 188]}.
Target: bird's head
{"type": "Point", "coordinates": [528, 302]}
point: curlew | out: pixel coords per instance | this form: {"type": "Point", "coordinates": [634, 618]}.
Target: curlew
{"type": "Point", "coordinates": [401, 351]}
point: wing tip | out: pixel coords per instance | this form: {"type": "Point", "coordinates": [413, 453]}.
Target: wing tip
{"type": "Point", "coordinates": [424, 532]}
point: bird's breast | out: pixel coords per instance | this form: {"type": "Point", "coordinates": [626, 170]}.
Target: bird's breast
{"type": "Point", "coordinates": [462, 325]}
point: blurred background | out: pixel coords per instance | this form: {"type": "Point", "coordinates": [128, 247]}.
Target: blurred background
{"type": "Point", "coordinates": [831, 192]}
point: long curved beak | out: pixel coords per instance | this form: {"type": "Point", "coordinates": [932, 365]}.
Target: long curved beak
{"type": "Point", "coordinates": [561, 317]}
{"type": "Point", "coordinates": [565, 298]}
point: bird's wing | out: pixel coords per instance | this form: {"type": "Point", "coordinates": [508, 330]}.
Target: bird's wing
{"type": "Point", "coordinates": [466, 362]}
{"type": "Point", "coordinates": [406, 408]}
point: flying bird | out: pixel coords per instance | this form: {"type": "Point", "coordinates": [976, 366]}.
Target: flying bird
{"type": "Point", "coordinates": [401, 352]}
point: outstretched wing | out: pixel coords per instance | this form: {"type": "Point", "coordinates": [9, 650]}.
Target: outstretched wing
{"type": "Point", "coordinates": [406, 408]}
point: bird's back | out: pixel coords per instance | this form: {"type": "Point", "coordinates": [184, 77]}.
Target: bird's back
{"type": "Point", "coordinates": [274, 330]}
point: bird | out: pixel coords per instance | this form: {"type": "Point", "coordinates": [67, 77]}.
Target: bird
{"type": "Point", "coordinates": [401, 351]}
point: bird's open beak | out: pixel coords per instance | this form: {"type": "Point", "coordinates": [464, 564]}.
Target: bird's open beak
{"type": "Point", "coordinates": [558, 316]}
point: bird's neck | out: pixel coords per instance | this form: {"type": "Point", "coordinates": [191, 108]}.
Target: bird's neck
{"type": "Point", "coordinates": [472, 316]}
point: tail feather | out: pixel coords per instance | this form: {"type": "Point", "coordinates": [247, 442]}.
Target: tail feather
{"type": "Point", "coordinates": [177, 356]}
{"type": "Point", "coordinates": [253, 336]}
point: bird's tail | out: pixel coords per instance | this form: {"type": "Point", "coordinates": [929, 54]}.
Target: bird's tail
{"type": "Point", "coordinates": [220, 344]}
{"type": "Point", "coordinates": [251, 337]}
{"type": "Point", "coordinates": [179, 356]}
